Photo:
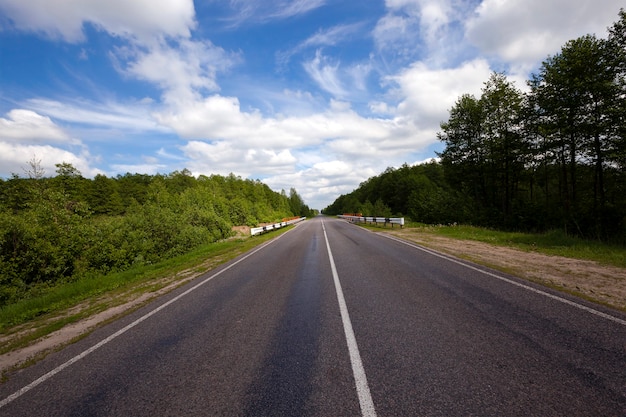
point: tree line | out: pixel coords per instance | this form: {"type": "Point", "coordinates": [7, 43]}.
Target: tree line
{"type": "Point", "coordinates": [65, 227]}
{"type": "Point", "coordinates": [552, 157]}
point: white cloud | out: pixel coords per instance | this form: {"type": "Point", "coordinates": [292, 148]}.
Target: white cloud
{"type": "Point", "coordinates": [14, 159]}
{"type": "Point", "coordinates": [358, 74]}
{"type": "Point", "coordinates": [320, 184]}
{"type": "Point", "coordinates": [25, 134]}
{"type": "Point", "coordinates": [341, 83]}
{"type": "Point", "coordinates": [286, 9]}
{"type": "Point", "coordinates": [262, 12]}
{"type": "Point", "coordinates": [430, 93]}
{"type": "Point", "coordinates": [522, 33]}
{"type": "Point", "coordinates": [180, 68]}
{"type": "Point", "coordinates": [139, 19]}
{"type": "Point", "coordinates": [292, 151]}
{"type": "Point", "coordinates": [332, 168]}
{"type": "Point", "coordinates": [134, 116]}
{"type": "Point", "coordinates": [26, 126]}
{"type": "Point", "coordinates": [323, 37]}
{"type": "Point", "coordinates": [382, 108]}
{"type": "Point", "coordinates": [421, 28]}
{"type": "Point", "coordinates": [215, 117]}
{"type": "Point", "coordinates": [325, 74]}
{"type": "Point", "coordinates": [392, 33]}
{"type": "Point", "coordinates": [219, 118]}
{"type": "Point", "coordinates": [159, 49]}
{"type": "Point", "coordinates": [331, 36]}
{"type": "Point", "coordinates": [514, 34]}
{"type": "Point", "coordinates": [224, 158]}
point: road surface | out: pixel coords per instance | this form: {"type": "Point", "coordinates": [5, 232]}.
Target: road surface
{"type": "Point", "coordinates": [332, 320]}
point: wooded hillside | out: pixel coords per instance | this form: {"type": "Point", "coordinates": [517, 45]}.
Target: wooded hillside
{"type": "Point", "coordinates": [55, 229]}
{"type": "Point", "coordinates": [549, 158]}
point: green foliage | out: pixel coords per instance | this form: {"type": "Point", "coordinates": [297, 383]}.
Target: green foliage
{"type": "Point", "coordinates": [67, 228]}
{"type": "Point", "coordinates": [550, 159]}
{"type": "Point", "coordinates": [53, 299]}
{"type": "Point", "coordinates": [420, 192]}
{"type": "Point", "coordinates": [297, 206]}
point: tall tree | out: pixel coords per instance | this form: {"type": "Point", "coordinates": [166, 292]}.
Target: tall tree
{"type": "Point", "coordinates": [616, 52]}
{"type": "Point", "coordinates": [69, 180]}
{"type": "Point", "coordinates": [577, 92]}
{"type": "Point", "coordinates": [103, 196]}
{"type": "Point", "coordinates": [501, 104]}
{"type": "Point", "coordinates": [464, 153]}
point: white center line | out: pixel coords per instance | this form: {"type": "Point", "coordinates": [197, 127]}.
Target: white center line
{"type": "Point", "coordinates": [362, 389]}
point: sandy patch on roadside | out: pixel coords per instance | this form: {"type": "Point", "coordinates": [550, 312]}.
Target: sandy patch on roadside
{"type": "Point", "coordinates": [604, 284]}
{"type": "Point", "coordinates": [241, 231]}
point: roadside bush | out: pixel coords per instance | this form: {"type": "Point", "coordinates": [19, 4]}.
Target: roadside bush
{"type": "Point", "coordinates": [49, 234]}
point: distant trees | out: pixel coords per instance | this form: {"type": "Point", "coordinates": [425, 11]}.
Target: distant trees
{"type": "Point", "coordinates": [550, 158]}
{"type": "Point", "coordinates": [67, 226]}
{"type": "Point", "coordinates": [420, 191]}
{"type": "Point", "coordinates": [297, 206]}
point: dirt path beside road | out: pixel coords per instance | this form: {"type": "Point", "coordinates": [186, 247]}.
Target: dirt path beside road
{"type": "Point", "coordinates": [588, 279]}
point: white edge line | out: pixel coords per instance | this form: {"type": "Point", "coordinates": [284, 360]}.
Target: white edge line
{"type": "Point", "coordinates": [360, 379]}
{"type": "Point", "coordinates": [510, 281]}
{"type": "Point", "coordinates": [103, 342]}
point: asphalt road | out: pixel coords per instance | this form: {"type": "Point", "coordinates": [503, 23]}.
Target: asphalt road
{"type": "Point", "coordinates": [332, 320]}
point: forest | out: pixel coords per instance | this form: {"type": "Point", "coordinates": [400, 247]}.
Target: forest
{"type": "Point", "coordinates": [67, 227]}
{"type": "Point", "coordinates": [549, 158]}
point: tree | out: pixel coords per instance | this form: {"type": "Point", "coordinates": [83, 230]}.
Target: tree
{"type": "Point", "coordinates": [296, 204]}
{"type": "Point", "coordinates": [179, 181]}
{"type": "Point", "coordinates": [35, 171]}
{"type": "Point", "coordinates": [578, 95]}
{"type": "Point", "coordinates": [552, 158]}
{"type": "Point", "coordinates": [49, 235]}
{"type": "Point", "coordinates": [465, 148]}
{"type": "Point", "coordinates": [69, 180]}
{"type": "Point", "coordinates": [133, 187]}
{"type": "Point", "coordinates": [485, 151]}
{"type": "Point", "coordinates": [103, 196]}
{"type": "Point", "coordinates": [501, 104]}
{"type": "Point", "coordinates": [16, 194]}
{"type": "Point", "coordinates": [65, 169]}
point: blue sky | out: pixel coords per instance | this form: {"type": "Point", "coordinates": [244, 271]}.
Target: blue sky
{"type": "Point", "coordinates": [313, 94]}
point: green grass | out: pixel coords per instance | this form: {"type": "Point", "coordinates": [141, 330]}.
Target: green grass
{"type": "Point", "coordinates": [551, 243]}
{"type": "Point", "coordinates": [48, 305]}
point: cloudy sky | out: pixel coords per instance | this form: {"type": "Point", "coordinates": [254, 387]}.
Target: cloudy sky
{"type": "Point", "coordinates": [313, 94]}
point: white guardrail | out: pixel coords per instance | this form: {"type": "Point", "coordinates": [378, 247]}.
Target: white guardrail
{"type": "Point", "coordinates": [366, 219]}
{"type": "Point", "coordinates": [263, 229]}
